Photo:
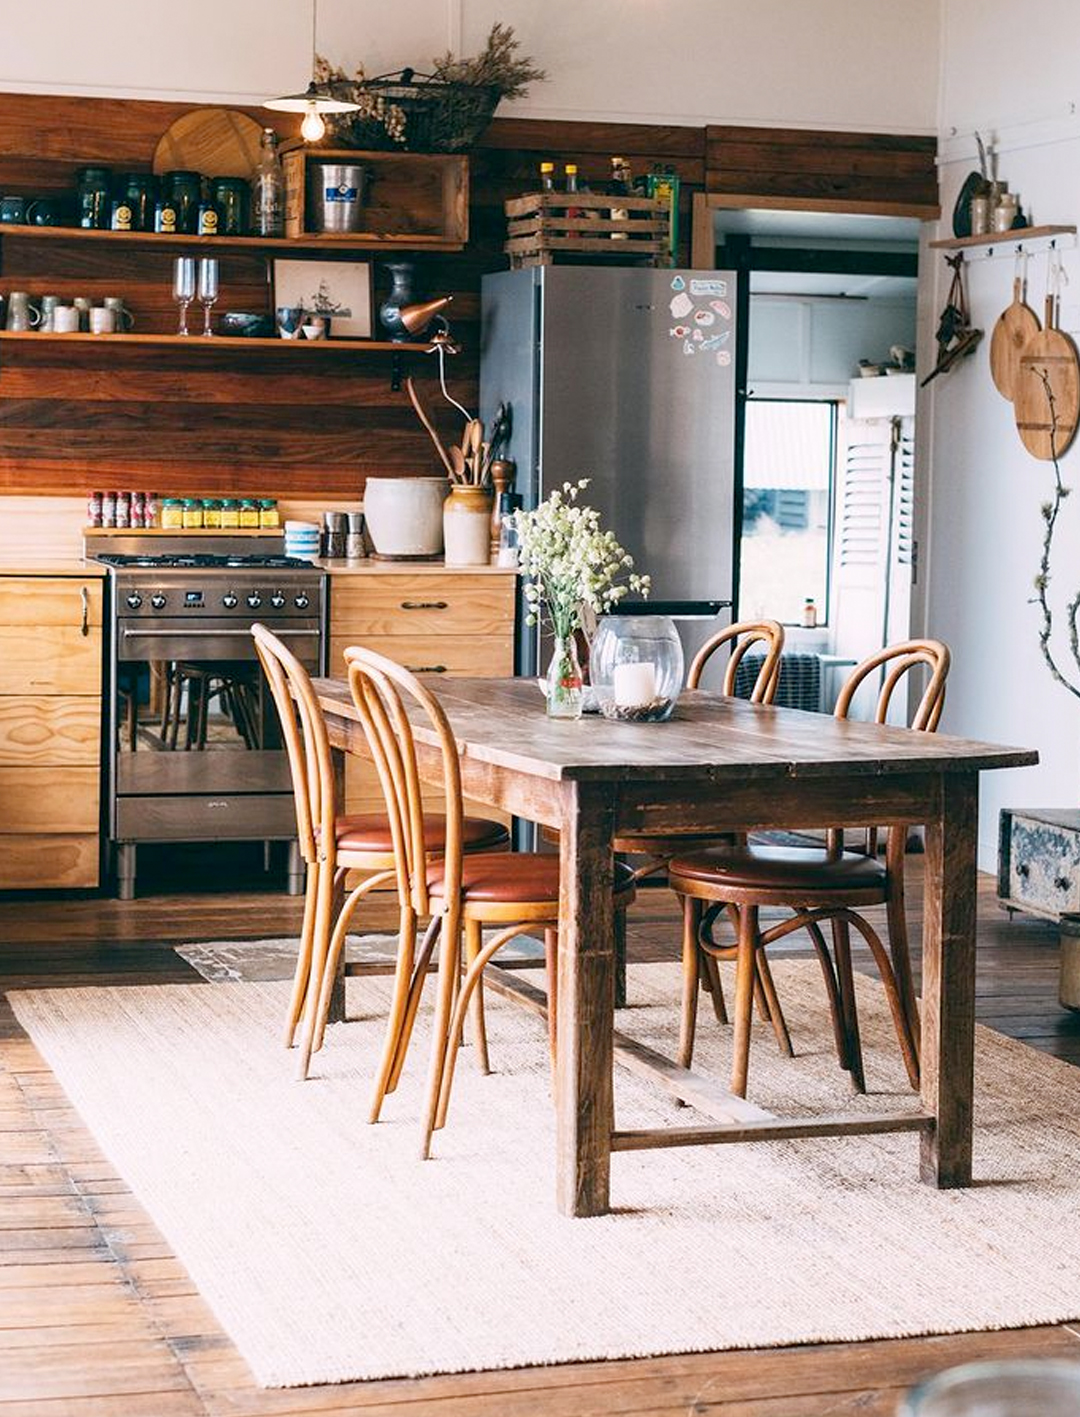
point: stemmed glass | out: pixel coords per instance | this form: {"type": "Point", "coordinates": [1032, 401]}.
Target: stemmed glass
{"type": "Point", "coordinates": [208, 288]}
{"type": "Point", "coordinates": [183, 287]}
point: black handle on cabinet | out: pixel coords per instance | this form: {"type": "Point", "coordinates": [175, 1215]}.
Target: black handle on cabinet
{"type": "Point", "coordinates": [424, 605]}
{"type": "Point", "coordinates": [84, 628]}
{"type": "Point", "coordinates": [1062, 882]}
{"type": "Point", "coordinates": [426, 668]}
{"type": "Point", "coordinates": [1023, 870]}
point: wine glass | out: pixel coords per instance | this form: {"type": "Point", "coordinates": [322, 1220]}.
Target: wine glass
{"type": "Point", "coordinates": [183, 287]}
{"type": "Point", "coordinates": [208, 288]}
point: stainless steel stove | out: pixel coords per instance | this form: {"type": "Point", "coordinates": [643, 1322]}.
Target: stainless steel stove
{"type": "Point", "coordinates": [194, 744]}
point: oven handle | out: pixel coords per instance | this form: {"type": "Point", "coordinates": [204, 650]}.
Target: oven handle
{"type": "Point", "coordinates": [195, 633]}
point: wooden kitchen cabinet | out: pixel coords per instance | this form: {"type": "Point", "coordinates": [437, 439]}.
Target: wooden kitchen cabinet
{"type": "Point", "coordinates": [432, 620]}
{"type": "Point", "coordinates": [50, 730]}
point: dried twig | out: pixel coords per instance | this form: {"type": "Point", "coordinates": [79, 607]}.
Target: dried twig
{"type": "Point", "coordinates": [1050, 511]}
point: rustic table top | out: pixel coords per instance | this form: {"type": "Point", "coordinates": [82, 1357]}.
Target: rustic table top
{"type": "Point", "coordinates": [503, 722]}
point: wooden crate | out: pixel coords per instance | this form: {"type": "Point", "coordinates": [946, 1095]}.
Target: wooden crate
{"type": "Point", "coordinates": [414, 200]}
{"type": "Point", "coordinates": [540, 231]}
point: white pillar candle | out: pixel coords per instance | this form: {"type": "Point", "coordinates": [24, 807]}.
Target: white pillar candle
{"type": "Point", "coordinates": [635, 684]}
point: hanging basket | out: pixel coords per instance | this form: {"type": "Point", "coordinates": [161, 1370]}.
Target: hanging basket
{"type": "Point", "coordinates": [440, 116]}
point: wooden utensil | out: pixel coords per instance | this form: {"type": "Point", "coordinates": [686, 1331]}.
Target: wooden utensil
{"type": "Point", "coordinates": [425, 419]}
{"type": "Point", "coordinates": [219, 142]}
{"type": "Point", "coordinates": [1049, 369]}
{"type": "Point", "coordinates": [457, 464]}
{"type": "Point", "coordinates": [1015, 327]}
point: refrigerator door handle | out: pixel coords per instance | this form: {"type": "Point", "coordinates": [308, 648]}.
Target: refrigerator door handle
{"type": "Point", "coordinates": [676, 609]}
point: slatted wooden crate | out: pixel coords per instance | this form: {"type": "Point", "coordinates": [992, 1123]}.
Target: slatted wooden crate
{"type": "Point", "coordinates": [541, 230]}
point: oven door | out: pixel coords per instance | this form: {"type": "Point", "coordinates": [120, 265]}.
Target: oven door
{"type": "Point", "coordinates": [196, 746]}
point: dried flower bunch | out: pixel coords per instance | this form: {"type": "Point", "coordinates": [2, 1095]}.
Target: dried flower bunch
{"type": "Point", "coordinates": [374, 107]}
{"type": "Point", "coordinates": [571, 562]}
{"type": "Point", "coordinates": [497, 66]}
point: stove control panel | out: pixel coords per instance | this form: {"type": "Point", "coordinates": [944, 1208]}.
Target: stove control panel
{"type": "Point", "coordinates": [229, 601]}
{"type": "Point", "coordinates": [242, 595]}
{"type": "Point", "coordinates": [254, 600]}
{"type": "Point", "coordinates": [301, 601]}
{"type": "Point", "coordinates": [159, 601]}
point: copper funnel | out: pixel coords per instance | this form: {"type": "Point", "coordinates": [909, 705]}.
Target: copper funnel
{"type": "Point", "coordinates": [416, 318]}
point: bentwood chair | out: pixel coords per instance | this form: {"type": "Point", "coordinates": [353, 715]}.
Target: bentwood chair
{"type": "Point", "coordinates": [817, 884]}
{"type": "Point", "coordinates": [332, 844]}
{"type": "Point", "coordinates": [516, 893]}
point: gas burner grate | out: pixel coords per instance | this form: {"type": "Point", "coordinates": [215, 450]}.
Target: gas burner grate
{"type": "Point", "coordinates": [199, 562]}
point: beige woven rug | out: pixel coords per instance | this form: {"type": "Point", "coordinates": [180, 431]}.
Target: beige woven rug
{"type": "Point", "coordinates": [329, 1251]}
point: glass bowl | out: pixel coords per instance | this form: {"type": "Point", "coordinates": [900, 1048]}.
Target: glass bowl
{"type": "Point", "coordinates": [1010, 1388]}
{"type": "Point", "coordinates": [636, 667]}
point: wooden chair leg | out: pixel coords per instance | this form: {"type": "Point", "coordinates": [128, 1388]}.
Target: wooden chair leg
{"type": "Point", "coordinates": [440, 1037]}
{"type": "Point", "coordinates": [551, 966]}
{"type": "Point", "coordinates": [320, 946]}
{"type": "Point", "coordinates": [620, 959]}
{"type": "Point", "coordinates": [691, 955]}
{"type": "Point", "coordinates": [776, 1013]}
{"type": "Point", "coordinates": [745, 977]}
{"type": "Point", "coordinates": [474, 943]}
{"type": "Point", "coordinates": [710, 975]}
{"type": "Point", "coordinates": [403, 973]}
{"type": "Point", "coordinates": [412, 1004]}
{"type": "Point", "coordinates": [892, 994]}
{"type": "Point", "coordinates": [896, 916]}
{"type": "Point", "coordinates": [846, 981]}
{"type": "Point", "coordinates": [832, 989]}
{"type": "Point", "coordinates": [303, 956]}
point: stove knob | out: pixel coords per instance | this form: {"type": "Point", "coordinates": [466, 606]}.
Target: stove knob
{"type": "Point", "coordinates": [158, 601]}
{"type": "Point", "coordinates": [254, 600]}
{"type": "Point", "coordinates": [134, 600]}
{"type": "Point", "coordinates": [301, 602]}
{"type": "Point", "coordinates": [277, 600]}
{"type": "Point", "coordinates": [229, 601]}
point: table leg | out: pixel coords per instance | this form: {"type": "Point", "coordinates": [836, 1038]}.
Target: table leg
{"type": "Point", "coordinates": [948, 1014]}
{"type": "Point", "coordinates": [585, 1111]}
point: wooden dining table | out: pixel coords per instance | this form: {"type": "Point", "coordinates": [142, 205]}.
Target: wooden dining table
{"type": "Point", "coordinates": [718, 765]}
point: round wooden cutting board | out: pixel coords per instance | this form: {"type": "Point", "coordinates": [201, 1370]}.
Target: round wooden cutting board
{"type": "Point", "coordinates": [218, 142]}
{"type": "Point", "coordinates": [1053, 353]}
{"type": "Point", "coordinates": [1016, 325]}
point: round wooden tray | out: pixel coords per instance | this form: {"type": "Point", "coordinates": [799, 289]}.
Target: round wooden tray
{"type": "Point", "coordinates": [218, 142]}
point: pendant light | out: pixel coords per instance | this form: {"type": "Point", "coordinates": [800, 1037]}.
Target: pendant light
{"type": "Point", "coordinates": [317, 100]}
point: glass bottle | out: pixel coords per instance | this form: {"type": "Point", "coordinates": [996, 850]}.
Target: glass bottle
{"type": "Point", "coordinates": [619, 187]}
{"type": "Point", "coordinates": [571, 185]}
{"type": "Point", "coordinates": [565, 681]}
{"type": "Point", "coordinates": [809, 613]}
{"type": "Point", "coordinates": [547, 177]}
{"type": "Point", "coordinates": [268, 190]}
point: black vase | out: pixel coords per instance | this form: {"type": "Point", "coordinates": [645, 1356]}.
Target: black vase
{"type": "Point", "coordinates": [401, 293]}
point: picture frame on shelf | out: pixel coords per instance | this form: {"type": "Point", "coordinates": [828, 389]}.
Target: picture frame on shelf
{"type": "Point", "coordinates": [338, 290]}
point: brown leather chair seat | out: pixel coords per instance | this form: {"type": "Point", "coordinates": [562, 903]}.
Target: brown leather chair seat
{"type": "Point", "coordinates": [508, 877]}
{"type": "Point", "coordinates": [783, 868]}
{"type": "Point", "coordinates": [371, 832]}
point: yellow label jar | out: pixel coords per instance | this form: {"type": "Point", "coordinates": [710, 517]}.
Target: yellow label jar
{"type": "Point", "coordinates": [172, 514]}
{"type": "Point", "coordinates": [268, 513]}
{"type": "Point", "coordinates": [211, 512]}
{"type": "Point", "coordinates": [193, 513]}
{"type": "Point", "coordinates": [249, 513]}
{"type": "Point", "coordinates": [230, 512]}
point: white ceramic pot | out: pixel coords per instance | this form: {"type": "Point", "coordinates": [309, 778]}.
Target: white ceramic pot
{"type": "Point", "coordinates": [467, 526]}
{"type": "Point", "coordinates": [404, 515]}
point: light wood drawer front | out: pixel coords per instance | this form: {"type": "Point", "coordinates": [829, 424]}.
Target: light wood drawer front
{"type": "Point", "coordinates": [1044, 866]}
{"type": "Point", "coordinates": [361, 606]}
{"type": "Point", "coordinates": [48, 862]}
{"type": "Point", "coordinates": [34, 800]}
{"type": "Point", "coordinates": [49, 731]}
{"type": "Point", "coordinates": [49, 600]}
{"type": "Point", "coordinates": [435, 654]}
{"type": "Point", "coordinates": [49, 660]}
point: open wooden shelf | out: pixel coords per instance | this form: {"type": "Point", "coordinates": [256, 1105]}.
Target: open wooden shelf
{"type": "Point", "coordinates": [328, 243]}
{"type": "Point", "coordinates": [1017, 235]}
{"type": "Point", "coordinates": [203, 344]}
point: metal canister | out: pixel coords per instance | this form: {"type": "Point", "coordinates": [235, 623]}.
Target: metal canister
{"type": "Point", "coordinates": [336, 194]}
{"type": "Point", "coordinates": [333, 536]}
{"type": "Point", "coordinates": [354, 535]}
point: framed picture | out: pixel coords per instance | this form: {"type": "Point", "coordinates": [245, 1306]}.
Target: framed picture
{"type": "Point", "coordinates": [338, 289]}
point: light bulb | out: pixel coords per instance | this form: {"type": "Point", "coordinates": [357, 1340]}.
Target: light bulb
{"type": "Point", "coordinates": [312, 128]}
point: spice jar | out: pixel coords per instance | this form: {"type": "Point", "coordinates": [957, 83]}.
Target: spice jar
{"type": "Point", "coordinates": [230, 512]}
{"type": "Point", "coordinates": [268, 513]}
{"type": "Point", "coordinates": [249, 513]}
{"type": "Point", "coordinates": [211, 512]}
{"type": "Point", "coordinates": [93, 508]}
{"type": "Point", "coordinates": [172, 514]}
{"type": "Point", "coordinates": [192, 515]}
{"type": "Point", "coordinates": [108, 509]}
{"type": "Point", "coordinates": [152, 510]}
{"type": "Point", "coordinates": [138, 509]}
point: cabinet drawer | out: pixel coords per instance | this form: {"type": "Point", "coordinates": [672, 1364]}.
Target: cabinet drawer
{"type": "Point", "coordinates": [51, 659]}
{"type": "Point", "coordinates": [49, 731]}
{"type": "Point", "coordinates": [43, 800]}
{"type": "Point", "coordinates": [62, 862]}
{"type": "Point", "coordinates": [1044, 866]}
{"type": "Point", "coordinates": [361, 606]}
{"type": "Point", "coordinates": [434, 654]}
{"type": "Point", "coordinates": [49, 600]}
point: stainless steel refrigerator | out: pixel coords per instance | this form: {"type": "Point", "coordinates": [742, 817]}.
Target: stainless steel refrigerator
{"type": "Point", "coordinates": [625, 376]}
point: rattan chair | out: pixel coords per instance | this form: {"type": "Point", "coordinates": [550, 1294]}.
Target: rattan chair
{"type": "Point", "coordinates": [516, 893]}
{"type": "Point", "coordinates": [332, 844]}
{"type": "Point", "coordinates": [817, 884]}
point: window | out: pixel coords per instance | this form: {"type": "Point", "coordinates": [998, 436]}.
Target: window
{"type": "Point", "coordinates": [789, 457]}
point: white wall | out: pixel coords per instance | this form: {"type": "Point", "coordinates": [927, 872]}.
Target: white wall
{"type": "Point", "coordinates": [1016, 80]}
{"type": "Point", "coordinates": [811, 346]}
{"type": "Point", "coordinates": [818, 63]}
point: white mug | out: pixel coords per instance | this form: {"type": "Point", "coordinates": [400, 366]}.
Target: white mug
{"type": "Point", "coordinates": [65, 320]}
{"type": "Point", "coordinates": [102, 320]}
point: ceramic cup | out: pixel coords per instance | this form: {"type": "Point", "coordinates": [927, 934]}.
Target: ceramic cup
{"type": "Point", "coordinates": [102, 320]}
{"type": "Point", "coordinates": [13, 209]}
{"type": "Point", "coordinates": [289, 320]}
{"type": "Point", "coordinates": [48, 310]}
{"type": "Point", "coordinates": [65, 320]}
{"type": "Point", "coordinates": [125, 320]}
{"type": "Point", "coordinates": [316, 327]}
{"type": "Point", "coordinates": [21, 314]}
{"type": "Point", "coordinates": [83, 303]}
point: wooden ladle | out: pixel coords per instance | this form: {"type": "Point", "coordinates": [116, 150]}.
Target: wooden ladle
{"type": "Point", "coordinates": [1015, 326]}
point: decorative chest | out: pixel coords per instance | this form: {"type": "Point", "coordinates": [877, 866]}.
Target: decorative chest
{"type": "Point", "coordinates": [1039, 861]}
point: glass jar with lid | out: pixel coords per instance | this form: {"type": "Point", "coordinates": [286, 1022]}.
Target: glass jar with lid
{"type": "Point", "coordinates": [636, 666]}
{"type": "Point", "coordinates": [172, 514]}
{"type": "Point", "coordinates": [93, 194]}
{"type": "Point", "coordinates": [211, 512]}
{"type": "Point", "coordinates": [269, 516]}
{"type": "Point", "coordinates": [249, 513]}
{"type": "Point", "coordinates": [140, 191]}
{"type": "Point", "coordinates": [192, 513]}
{"type": "Point", "coordinates": [230, 512]}
{"type": "Point", "coordinates": [185, 189]}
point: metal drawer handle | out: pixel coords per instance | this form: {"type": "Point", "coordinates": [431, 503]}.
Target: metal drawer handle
{"type": "Point", "coordinates": [1024, 870]}
{"type": "Point", "coordinates": [426, 668]}
{"type": "Point", "coordinates": [1062, 882]}
{"type": "Point", "coordinates": [425, 605]}
{"type": "Point", "coordinates": [85, 627]}
{"type": "Point", "coordinates": [197, 633]}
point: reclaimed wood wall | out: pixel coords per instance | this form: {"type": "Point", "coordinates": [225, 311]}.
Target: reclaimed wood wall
{"type": "Point", "coordinates": [245, 422]}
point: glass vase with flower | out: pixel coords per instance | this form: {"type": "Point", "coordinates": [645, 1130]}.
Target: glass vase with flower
{"type": "Point", "coordinates": [571, 564]}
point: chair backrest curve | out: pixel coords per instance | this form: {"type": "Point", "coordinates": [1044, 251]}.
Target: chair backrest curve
{"type": "Point", "coordinates": [741, 636]}
{"type": "Point", "coordinates": [896, 661]}
{"type": "Point", "coordinates": [384, 692]}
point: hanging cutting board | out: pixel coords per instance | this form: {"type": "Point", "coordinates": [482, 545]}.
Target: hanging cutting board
{"type": "Point", "coordinates": [1016, 325]}
{"type": "Point", "coordinates": [218, 142]}
{"type": "Point", "coordinates": [1052, 353]}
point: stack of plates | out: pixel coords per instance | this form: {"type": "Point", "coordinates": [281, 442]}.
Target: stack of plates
{"type": "Point", "coordinates": [302, 540]}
